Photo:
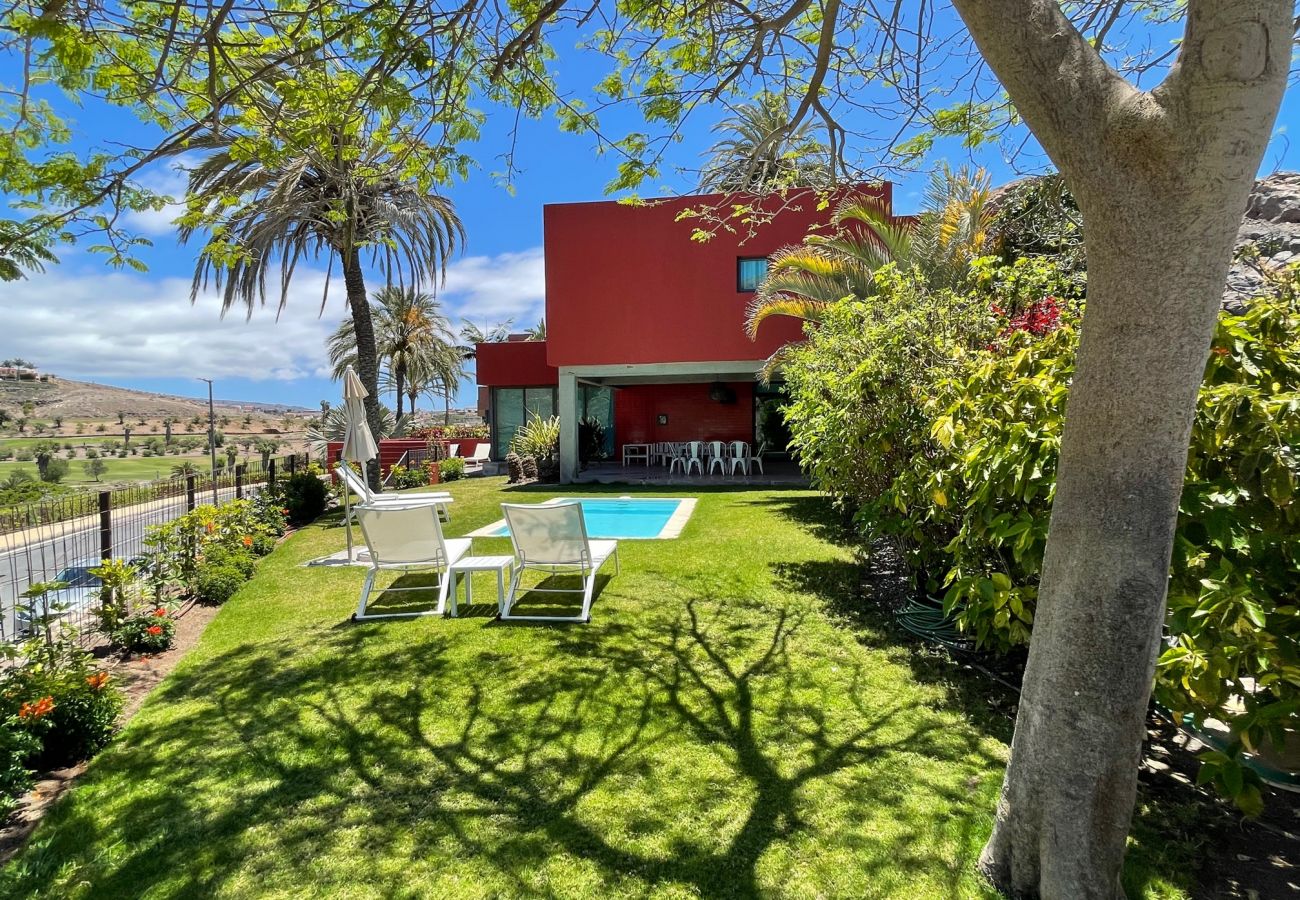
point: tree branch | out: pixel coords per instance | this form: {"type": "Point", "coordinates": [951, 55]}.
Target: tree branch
{"type": "Point", "coordinates": [1056, 78]}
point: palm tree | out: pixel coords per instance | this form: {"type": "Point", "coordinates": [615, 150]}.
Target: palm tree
{"type": "Point", "coordinates": [334, 425]}
{"type": "Point", "coordinates": [445, 375]}
{"type": "Point", "coordinates": [537, 332]}
{"type": "Point", "coordinates": [411, 331]}
{"type": "Point", "coordinates": [805, 279]}
{"type": "Point", "coordinates": [471, 336]}
{"type": "Point", "coordinates": [761, 152]}
{"type": "Point", "coordinates": [340, 193]}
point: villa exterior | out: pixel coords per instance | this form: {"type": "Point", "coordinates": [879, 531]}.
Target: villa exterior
{"type": "Point", "coordinates": [645, 326]}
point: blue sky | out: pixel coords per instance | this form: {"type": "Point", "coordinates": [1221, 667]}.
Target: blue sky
{"type": "Point", "coordinates": [84, 320]}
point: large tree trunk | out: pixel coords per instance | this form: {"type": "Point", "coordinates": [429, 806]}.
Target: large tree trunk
{"type": "Point", "coordinates": [399, 377]}
{"type": "Point", "coordinates": [1162, 179]}
{"type": "Point", "coordinates": [367, 356]}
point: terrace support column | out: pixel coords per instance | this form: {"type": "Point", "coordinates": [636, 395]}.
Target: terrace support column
{"type": "Point", "coordinates": [567, 404]}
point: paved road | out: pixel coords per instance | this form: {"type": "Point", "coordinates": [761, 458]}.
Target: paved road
{"type": "Point", "coordinates": [40, 553]}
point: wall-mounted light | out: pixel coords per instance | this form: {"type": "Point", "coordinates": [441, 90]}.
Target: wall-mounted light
{"type": "Point", "coordinates": [662, 419]}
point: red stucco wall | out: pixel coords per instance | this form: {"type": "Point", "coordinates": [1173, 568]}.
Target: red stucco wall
{"type": "Point", "coordinates": [626, 284]}
{"type": "Point", "coordinates": [514, 364]}
{"type": "Point", "coordinates": [692, 414]}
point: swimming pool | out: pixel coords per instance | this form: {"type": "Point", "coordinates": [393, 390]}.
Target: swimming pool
{"type": "Point", "coordinates": [625, 518]}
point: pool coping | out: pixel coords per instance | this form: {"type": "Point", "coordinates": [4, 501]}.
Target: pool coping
{"type": "Point", "coordinates": [672, 528]}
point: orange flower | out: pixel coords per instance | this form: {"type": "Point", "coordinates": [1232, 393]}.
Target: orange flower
{"type": "Point", "coordinates": [154, 629]}
{"type": "Point", "coordinates": [37, 709]}
{"type": "Point", "coordinates": [248, 540]}
{"type": "Point", "coordinates": [211, 528]}
{"type": "Point", "coordinates": [98, 680]}
{"type": "Point", "coordinates": [1221, 351]}
{"type": "Point", "coordinates": [160, 612]}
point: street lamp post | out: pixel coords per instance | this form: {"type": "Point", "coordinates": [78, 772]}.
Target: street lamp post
{"type": "Point", "coordinates": [212, 439]}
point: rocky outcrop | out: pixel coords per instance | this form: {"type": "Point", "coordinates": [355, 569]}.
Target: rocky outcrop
{"type": "Point", "coordinates": [1272, 227]}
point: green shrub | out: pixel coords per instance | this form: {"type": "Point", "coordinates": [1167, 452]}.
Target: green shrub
{"type": "Point", "coordinates": [269, 512]}
{"type": "Point", "coordinates": [240, 558]}
{"type": "Point", "coordinates": [217, 584]}
{"type": "Point", "coordinates": [55, 471]}
{"type": "Point", "coordinates": [858, 384]}
{"type": "Point", "coordinates": [58, 697]}
{"type": "Point", "coordinates": [120, 585]}
{"type": "Point", "coordinates": [974, 508]}
{"type": "Point", "coordinates": [17, 746]}
{"type": "Point", "coordinates": [148, 631]}
{"type": "Point", "coordinates": [400, 477]}
{"type": "Point", "coordinates": [451, 469]}
{"type": "Point", "coordinates": [305, 497]}
{"type": "Point", "coordinates": [262, 544]}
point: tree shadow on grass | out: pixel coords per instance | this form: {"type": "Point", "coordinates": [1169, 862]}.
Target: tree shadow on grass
{"type": "Point", "coordinates": [681, 751]}
{"type": "Point", "coordinates": [1168, 837]}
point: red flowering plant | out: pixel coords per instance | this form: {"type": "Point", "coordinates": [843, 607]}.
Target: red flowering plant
{"type": "Point", "coordinates": [1031, 296]}
{"type": "Point", "coordinates": [1038, 318]}
{"type": "Point", "coordinates": [57, 704]}
{"type": "Point", "coordinates": [151, 630]}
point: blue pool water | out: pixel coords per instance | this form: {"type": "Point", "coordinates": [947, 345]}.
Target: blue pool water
{"type": "Point", "coordinates": [635, 517]}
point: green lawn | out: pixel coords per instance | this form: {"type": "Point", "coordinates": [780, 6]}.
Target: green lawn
{"type": "Point", "coordinates": [131, 468]}
{"type": "Point", "coordinates": [728, 725]}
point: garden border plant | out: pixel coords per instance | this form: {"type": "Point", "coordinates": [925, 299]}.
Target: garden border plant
{"type": "Point", "coordinates": [970, 495]}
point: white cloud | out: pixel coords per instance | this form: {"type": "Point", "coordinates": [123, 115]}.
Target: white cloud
{"type": "Point", "coordinates": [491, 289]}
{"type": "Point", "coordinates": [112, 324]}
{"type": "Point", "coordinates": [168, 179]}
{"type": "Point", "coordinates": [91, 323]}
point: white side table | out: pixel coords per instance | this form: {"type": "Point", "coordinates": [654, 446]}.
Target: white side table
{"type": "Point", "coordinates": [462, 568]}
{"type": "Point", "coordinates": [636, 453]}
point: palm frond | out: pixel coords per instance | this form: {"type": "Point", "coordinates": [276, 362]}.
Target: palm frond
{"type": "Point", "coordinates": [761, 309]}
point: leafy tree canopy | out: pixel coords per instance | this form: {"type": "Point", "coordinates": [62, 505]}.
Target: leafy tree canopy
{"type": "Point", "coordinates": [289, 75]}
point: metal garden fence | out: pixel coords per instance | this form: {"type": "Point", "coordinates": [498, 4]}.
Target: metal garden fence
{"type": "Point", "coordinates": [60, 537]}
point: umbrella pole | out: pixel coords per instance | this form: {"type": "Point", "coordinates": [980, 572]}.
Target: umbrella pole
{"type": "Point", "coordinates": [347, 517]}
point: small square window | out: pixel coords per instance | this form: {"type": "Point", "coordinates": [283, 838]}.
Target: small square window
{"type": "Point", "coordinates": [750, 272]}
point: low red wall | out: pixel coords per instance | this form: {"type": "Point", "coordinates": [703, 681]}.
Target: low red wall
{"type": "Point", "coordinates": [692, 414]}
{"type": "Point", "coordinates": [391, 449]}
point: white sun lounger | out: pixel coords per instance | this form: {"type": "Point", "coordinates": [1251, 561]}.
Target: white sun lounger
{"type": "Point", "coordinates": [406, 538]}
{"type": "Point", "coordinates": [474, 462]}
{"type": "Point", "coordinates": [358, 486]}
{"type": "Point", "coordinates": [552, 538]}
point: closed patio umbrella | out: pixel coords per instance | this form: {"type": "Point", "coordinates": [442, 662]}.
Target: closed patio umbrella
{"type": "Point", "coordinates": [358, 443]}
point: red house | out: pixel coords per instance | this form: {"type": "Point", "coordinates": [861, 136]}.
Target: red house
{"type": "Point", "coordinates": [645, 326]}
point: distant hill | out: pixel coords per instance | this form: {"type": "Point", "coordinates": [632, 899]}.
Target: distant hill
{"type": "Point", "coordinates": [86, 400]}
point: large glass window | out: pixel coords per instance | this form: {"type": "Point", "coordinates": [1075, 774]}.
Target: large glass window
{"type": "Point", "coordinates": [596, 405]}
{"type": "Point", "coordinates": [750, 272]}
{"type": "Point", "coordinates": [511, 408]}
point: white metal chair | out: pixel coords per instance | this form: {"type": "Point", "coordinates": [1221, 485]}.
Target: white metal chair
{"type": "Point", "coordinates": [756, 459]}
{"type": "Point", "coordinates": [739, 456]}
{"type": "Point", "coordinates": [552, 537]}
{"type": "Point", "coordinates": [474, 462]}
{"type": "Point", "coordinates": [717, 457]}
{"type": "Point", "coordinates": [355, 483]}
{"type": "Point", "coordinates": [406, 538]}
{"type": "Point", "coordinates": [676, 457]}
{"type": "Point", "coordinates": [694, 457]}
